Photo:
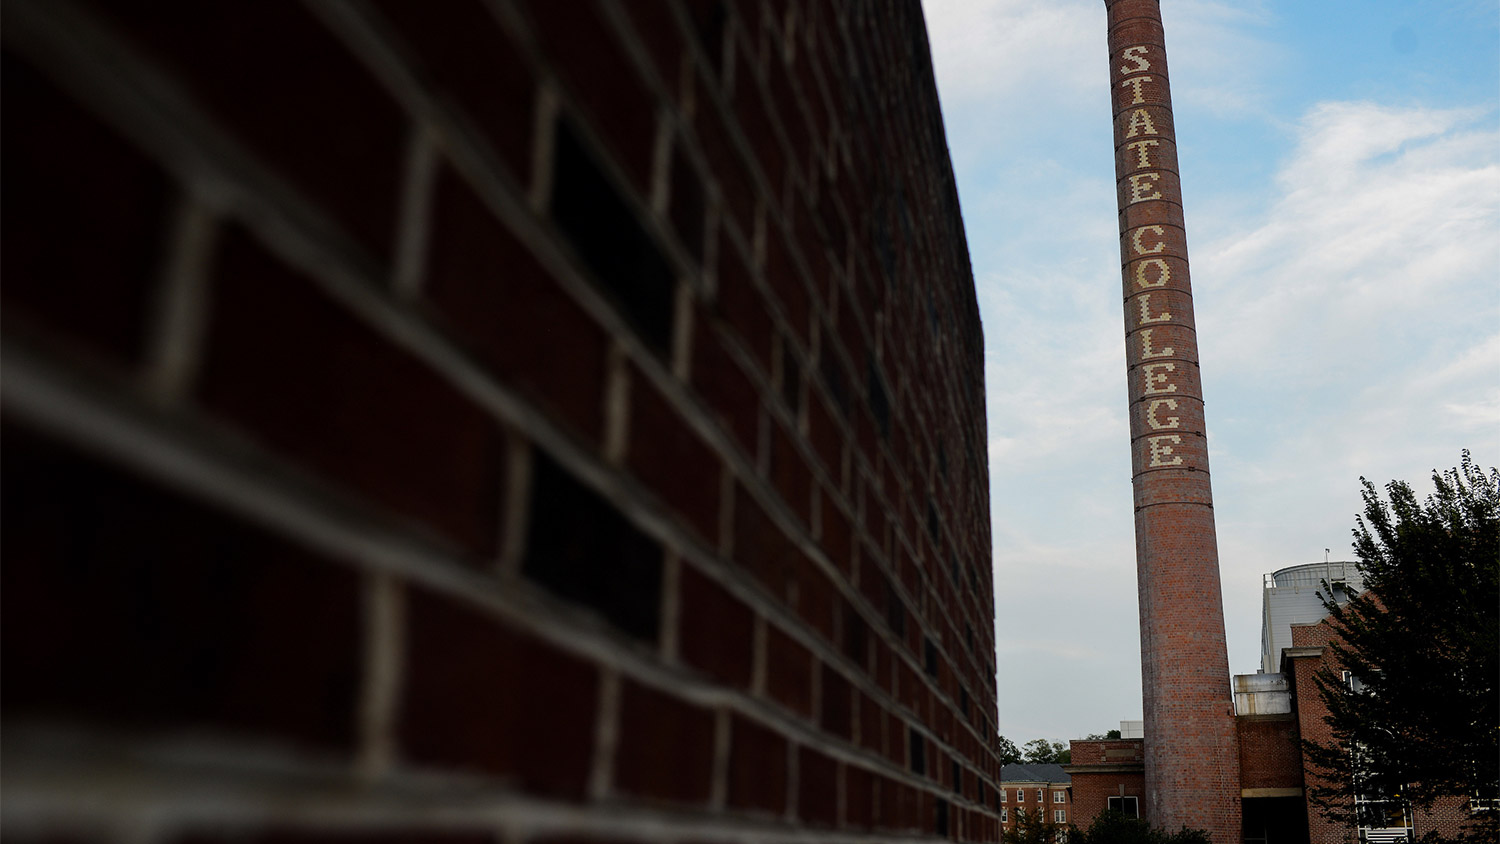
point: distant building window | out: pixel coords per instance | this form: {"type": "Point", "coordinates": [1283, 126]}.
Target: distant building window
{"type": "Point", "coordinates": [1059, 797]}
{"type": "Point", "coordinates": [1062, 836]}
{"type": "Point", "coordinates": [1059, 815]}
{"type": "Point", "coordinates": [1041, 795]}
{"type": "Point", "coordinates": [1003, 792]}
{"type": "Point", "coordinates": [1127, 806]}
{"type": "Point", "coordinates": [1020, 795]}
{"type": "Point", "coordinates": [1004, 815]}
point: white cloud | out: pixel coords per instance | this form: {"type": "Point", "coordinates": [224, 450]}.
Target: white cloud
{"type": "Point", "coordinates": [1353, 330]}
{"type": "Point", "coordinates": [984, 49]}
{"type": "Point", "coordinates": [1216, 61]}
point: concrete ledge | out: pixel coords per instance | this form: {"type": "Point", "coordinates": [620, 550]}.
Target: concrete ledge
{"type": "Point", "coordinates": [1109, 768]}
{"type": "Point", "coordinates": [1270, 792]}
{"type": "Point", "coordinates": [1267, 716]}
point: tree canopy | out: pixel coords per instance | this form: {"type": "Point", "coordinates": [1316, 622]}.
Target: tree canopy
{"type": "Point", "coordinates": [1421, 718]}
{"type": "Point", "coordinates": [1032, 827]}
{"type": "Point", "coordinates": [1009, 753]}
{"type": "Point", "coordinates": [1036, 752]}
{"type": "Point", "coordinates": [1043, 752]}
{"type": "Point", "coordinates": [1115, 828]}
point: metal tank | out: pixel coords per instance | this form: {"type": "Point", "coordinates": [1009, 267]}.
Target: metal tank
{"type": "Point", "coordinates": [1292, 596]}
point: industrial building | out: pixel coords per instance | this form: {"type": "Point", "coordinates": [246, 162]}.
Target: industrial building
{"type": "Point", "coordinates": [1274, 712]}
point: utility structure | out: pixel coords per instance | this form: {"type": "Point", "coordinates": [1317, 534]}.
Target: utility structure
{"type": "Point", "coordinates": [1191, 760]}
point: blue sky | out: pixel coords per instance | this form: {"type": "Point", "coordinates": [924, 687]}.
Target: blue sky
{"type": "Point", "coordinates": [1341, 178]}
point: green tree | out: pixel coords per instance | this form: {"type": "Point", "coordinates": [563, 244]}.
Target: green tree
{"type": "Point", "coordinates": [1422, 718]}
{"type": "Point", "coordinates": [1009, 753]}
{"type": "Point", "coordinates": [1042, 752]}
{"type": "Point", "coordinates": [1115, 828]}
{"type": "Point", "coordinates": [1032, 828]}
{"type": "Point", "coordinates": [1112, 734]}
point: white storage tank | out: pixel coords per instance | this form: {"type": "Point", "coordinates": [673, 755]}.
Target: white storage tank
{"type": "Point", "coordinates": [1292, 597]}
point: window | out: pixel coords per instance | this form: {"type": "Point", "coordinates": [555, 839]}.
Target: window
{"type": "Point", "coordinates": [1059, 797]}
{"type": "Point", "coordinates": [1062, 836]}
{"type": "Point", "coordinates": [1059, 815]}
{"type": "Point", "coordinates": [1003, 792]}
{"type": "Point", "coordinates": [1127, 806]}
{"type": "Point", "coordinates": [1382, 821]}
{"type": "Point", "coordinates": [1004, 815]}
{"type": "Point", "coordinates": [1020, 795]}
{"type": "Point", "coordinates": [1041, 795]}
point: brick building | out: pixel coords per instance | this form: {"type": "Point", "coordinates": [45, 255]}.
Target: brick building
{"type": "Point", "coordinates": [1309, 654]}
{"type": "Point", "coordinates": [504, 421]}
{"type": "Point", "coordinates": [1275, 712]}
{"type": "Point", "coordinates": [1035, 788]}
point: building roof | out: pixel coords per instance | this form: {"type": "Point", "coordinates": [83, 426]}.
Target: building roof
{"type": "Point", "coordinates": [1034, 773]}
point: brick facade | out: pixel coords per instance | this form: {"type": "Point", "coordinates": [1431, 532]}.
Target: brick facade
{"type": "Point", "coordinates": [1033, 791]}
{"type": "Point", "coordinates": [1270, 756]}
{"type": "Point", "coordinates": [505, 421]}
{"type": "Point", "coordinates": [1106, 768]}
{"type": "Point", "coordinates": [1191, 762]}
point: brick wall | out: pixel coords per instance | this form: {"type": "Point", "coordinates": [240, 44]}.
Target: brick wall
{"type": "Point", "coordinates": [489, 421]}
{"type": "Point", "coordinates": [1102, 769]}
{"type": "Point", "coordinates": [1023, 796]}
{"type": "Point", "coordinates": [1270, 755]}
{"type": "Point", "coordinates": [1307, 654]}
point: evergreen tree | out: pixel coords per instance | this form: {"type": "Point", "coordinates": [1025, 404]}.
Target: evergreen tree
{"type": "Point", "coordinates": [1419, 719]}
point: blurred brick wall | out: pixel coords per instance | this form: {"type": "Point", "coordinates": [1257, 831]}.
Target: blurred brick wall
{"type": "Point", "coordinates": [488, 421]}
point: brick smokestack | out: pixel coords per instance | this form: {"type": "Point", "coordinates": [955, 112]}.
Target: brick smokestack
{"type": "Point", "coordinates": [1192, 768]}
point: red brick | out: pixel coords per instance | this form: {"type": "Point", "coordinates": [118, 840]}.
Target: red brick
{"type": "Point", "coordinates": [579, 43]}
{"type": "Point", "coordinates": [473, 65]}
{"type": "Point", "coordinates": [789, 472]}
{"type": "Point", "coordinates": [165, 615]}
{"type": "Point", "coordinates": [729, 393]}
{"type": "Point", "coordinates": [757, 768]}
{"type": "Point", "coordinates": [488, 291]}
{"type": "Point", "coordinates": [755, 121]}
{"type": "Point", "coordinates": [743, 307]}
{"type": "Point", "coordinates": [350, 143]}
{"type": "Point", "coordinates": [329, 393]}
{"type": "Point", "coordinates": [837, 703]}
{"type": "Point", "coordinates": [666, 748]}
{"type": "Point", "coordinates": [656, 28]}
{"type": "Point", "coordinates": [460, 706]}
{"type": "Point", "coordinates": [356, 835]}
{"type": "Point", "coordinates": [69, 176]}
{"type": "Point", "coordinates": [673, 462]}
{"type": "Point", "coordinates": [871, 723]}
{"type": "Point", "coordinates": [785, 279]}
{"type": "Point", "coordinates": [817, 788]}
{"type": "Point", "coordinates": [715, 629]}
{"type": "Point", "coordinates": [728, 168]}
{"type": "Point", "coordinates": [789, 668]}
